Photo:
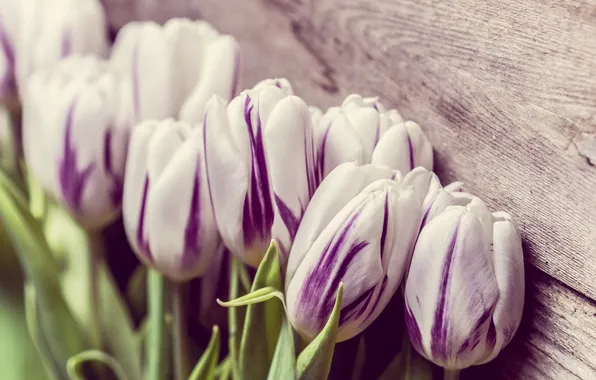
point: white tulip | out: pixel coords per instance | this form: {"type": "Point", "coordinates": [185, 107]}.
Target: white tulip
{"type": "Point", "coordinates": [74, 140]}
{"type": "Point", "coordinates": [167, 209]}
{"type": "Point", "coordinates": [362, 238]}
{"type": "Point", "coordinates": [175, 68]}
{"type": "Point", "coordinates": [465, 288]}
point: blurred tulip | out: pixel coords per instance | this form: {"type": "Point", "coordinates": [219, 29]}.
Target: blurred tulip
{"type": "Point", "coordinates": [465, 288]}
{"type": "Point", "coordinates": [38, 33]}
{"type": "Point", "coordinates": [374, 134]}
{"type": "Point", "coordinates": [174, 69]}
{"type": "Point", "coordinates": [73, 138]}
{"type": "Point", "coordinates": [358, 235]}
{"type": "Point", "coordinates": [167, 212]}
{"type": "Point", "coordinates": [51, 30]}
{"type": "Point", "coordinates": [258, 154]}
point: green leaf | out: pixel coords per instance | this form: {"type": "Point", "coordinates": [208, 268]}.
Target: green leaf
{"type": "Point", "coordinates": [408, 365]}
{"type": "Point", "coordinates": [62, 332]}
{"type": "Point", "coordinates": [224, 370]}
{"type": "Point", "coordinates": [263, 319]}
{"type": "Point", "coordinates": [283, 365]}
{"type": "Point", "coordinates": [74, 366]}
{"type": "Point", "coordinates": [92, 293]}
{"type": "Point", "coordinates": [53, 369]}
{"type": "Point", "coordinates": [315, 361]}
{"type": "Point", "coordinates": [117, 326]}
{"type": "Point", "coordinates": [255, 297]}
{"type": "Point", "coordinates": [205, 368]}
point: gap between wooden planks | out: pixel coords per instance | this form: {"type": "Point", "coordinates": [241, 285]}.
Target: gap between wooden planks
{"type": "Point", "coordinates": [508, 114]}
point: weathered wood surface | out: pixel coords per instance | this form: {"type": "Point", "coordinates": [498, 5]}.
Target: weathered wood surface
{"type": "Point", "coordinates": [506, 91]}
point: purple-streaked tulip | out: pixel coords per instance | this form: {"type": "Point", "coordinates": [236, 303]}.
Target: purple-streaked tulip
{"type": "Point", "coordinates": [167, 212]}
{"type": "Point", "coordinates": [382, 135]}
{"type": "Point", "coordinates": [74, 139]}
{"type": "Point", "coordinates": [48, 31]}
{"type": "Point", "coordinates": [358, 235]}
{"type": "Point", "coordinates": [258, 154]}
{"type": "Point", "coordinates": [175, 68]}
{"type": "Point", "coordinates": [465, 288]}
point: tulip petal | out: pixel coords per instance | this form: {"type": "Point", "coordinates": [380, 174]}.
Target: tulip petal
{"type": "Point", "coordinates": [426, 184]}
{"type": "Point", "coordinates": [336, 190]}
{"type": "Point", "coordinates": [451, 289]}
{"type": "Point", "coordinates": [335, 143]}
{"type": "Point", "coordinates": [346, 251]}
{"type": "Point", "coordinates": [219, 76]}
{"type": "Point", "coordinates": [287, 138]}
{"type": "Point", "coordinates": [508, 263]}
{"type": "Point", "coordinates": [422, 150]}
{"type": "Point", "coordinates": [136, 188]}
{"type": "Point", "coordinates": [180, 216]}
{"type": "Point", "coordinates": [281, 83]}
{"type": "Point", "coordinates": [143, 51]}
{"type": "Point", "coordinates": [190, 41]}
{"type": "Point", "coordinates": [227, 175]}
{"type": "Point", "coordinates": [365, 122]}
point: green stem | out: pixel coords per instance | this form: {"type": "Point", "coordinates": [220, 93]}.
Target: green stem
{"type": "Point", "coordinates": [235, 328]}
{"type": "Point", "coordinates": [96, 256]}
{"type": "Point", "coordinates": [180, 331]}
{"type": "Point", "coordinates": [451, 374]}
{"type": "Point", "coordinates": [156, 350]}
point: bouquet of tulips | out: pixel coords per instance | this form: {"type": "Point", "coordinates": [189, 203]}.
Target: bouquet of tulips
{"type": "Point", "coordinates": [275, 240]}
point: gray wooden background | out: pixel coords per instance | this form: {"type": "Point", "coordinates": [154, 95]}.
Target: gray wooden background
{"type": "Point", "coordinates": [506, 91]}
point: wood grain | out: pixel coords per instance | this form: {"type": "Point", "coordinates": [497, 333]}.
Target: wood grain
{"type": "Point", "coordinates": [506, 92]}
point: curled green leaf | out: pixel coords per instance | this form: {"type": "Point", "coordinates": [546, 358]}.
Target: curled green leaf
{"type": "Point", "coordinates": [260, 295]}
{"type": "Point", "coordinates": [74, 365]}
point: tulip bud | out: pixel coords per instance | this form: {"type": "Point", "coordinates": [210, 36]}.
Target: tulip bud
{"type": "Point", "coordinates": [258, 153]}
{"type": "Point", "coordinates": [465, 288]}
{"type": "Point", "coordinates": [167, 211]}
{"type": "Point", "coordinates": [362, 239]}
{"type": "Point", "coordinates": [382, 135]}
{"type": "Point", "coordinates": [73, 140]}
{"type": "Point", "coordinates": [51, 30]}
{"type": "Point", "coordinates": [173, 69]}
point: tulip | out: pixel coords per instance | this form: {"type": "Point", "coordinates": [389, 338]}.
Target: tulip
{"type": "Point", "coordinates": [359, 229]}
{"type": "Point", "coordinates": [166, 207]}
{"type": "Point", "coordinates": [465, 288]}
{"type": "Point", "coordinates": [174, 69]}
{"type": "Point", "coordinates": [48, 31]}
{"type": "Point", "coordinates": [74, 140]}
{"type": "Point", "coordinates": [382, 135]}
{"type": "Point", "coordinates": [258, 153]}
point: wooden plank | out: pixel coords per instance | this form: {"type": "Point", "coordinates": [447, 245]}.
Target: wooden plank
{"type": "Point", "coordinates": [516, 154]}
